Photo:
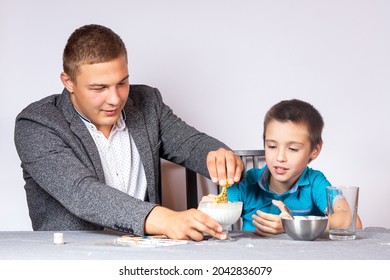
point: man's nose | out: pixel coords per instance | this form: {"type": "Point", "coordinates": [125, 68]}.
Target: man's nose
{"type": "Point", "coordinates": [113, 96]}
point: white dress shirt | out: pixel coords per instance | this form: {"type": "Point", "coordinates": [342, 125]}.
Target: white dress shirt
{"type": "Point", "coordinates": [122, 166]}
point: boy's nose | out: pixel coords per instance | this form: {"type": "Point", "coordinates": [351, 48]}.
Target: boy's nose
{"type": "Point", "coordinates": [281, 156]}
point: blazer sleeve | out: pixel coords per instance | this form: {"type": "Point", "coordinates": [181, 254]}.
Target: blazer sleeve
{"type": "Point", "coordinates": [179, 142]}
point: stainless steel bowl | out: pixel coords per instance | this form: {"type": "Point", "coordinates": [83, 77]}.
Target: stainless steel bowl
{"type": "Point", "coordinates": [304, 227]}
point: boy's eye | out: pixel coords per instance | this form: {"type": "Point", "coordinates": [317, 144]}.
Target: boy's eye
{"type": "Point", "coordinates": [294, 149]}
{"type": "Point", "coordinates": [271, 147]}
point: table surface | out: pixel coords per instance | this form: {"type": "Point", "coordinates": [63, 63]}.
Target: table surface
{"type": "Point", "coordinates": [371, 244]}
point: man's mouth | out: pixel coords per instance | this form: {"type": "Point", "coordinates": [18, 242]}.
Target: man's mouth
{"type": "Point", "coordinates": [110, 112]}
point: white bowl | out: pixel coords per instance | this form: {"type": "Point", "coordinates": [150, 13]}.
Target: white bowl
{"type": "Point", "coordinates": [224, 213]}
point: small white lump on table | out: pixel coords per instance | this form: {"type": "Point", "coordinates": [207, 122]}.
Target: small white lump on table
{"type": "Point", "coordinates": [58, 238]}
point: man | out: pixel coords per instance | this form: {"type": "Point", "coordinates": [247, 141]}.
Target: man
{"type": "Point", "coordinates": [90, 156]}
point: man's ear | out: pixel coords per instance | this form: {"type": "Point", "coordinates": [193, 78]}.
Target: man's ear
{"type": "Point", "coordinates": [315, 152]}
{"type": "Point", "coordinates": [67, 82]}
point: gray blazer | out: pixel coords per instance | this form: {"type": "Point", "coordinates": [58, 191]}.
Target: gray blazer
{"type": "Point", "coordinates": [65, 185]}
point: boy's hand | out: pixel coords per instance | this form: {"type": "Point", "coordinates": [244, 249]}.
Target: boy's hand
{"type": "Point", "coordinates": [270, 224]}
{"type": "Point", "coordinates": [282, 207]}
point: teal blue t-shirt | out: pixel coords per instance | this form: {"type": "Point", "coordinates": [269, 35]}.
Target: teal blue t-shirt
{"type": "Point", "coordinates": [306, 197]}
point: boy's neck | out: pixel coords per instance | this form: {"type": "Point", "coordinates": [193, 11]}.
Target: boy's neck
{"type": "Point", "coordinates": [278, 187]}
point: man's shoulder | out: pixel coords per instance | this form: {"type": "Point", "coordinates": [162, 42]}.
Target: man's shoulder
{"type": "Point", "coordinates": [48, 111]}
{"type": "Point", "coordinates": [140, 91]}
{"type": "Point", "coordinates": [41, 107]}
{"type": "Point", "coordinates": [143, 96]}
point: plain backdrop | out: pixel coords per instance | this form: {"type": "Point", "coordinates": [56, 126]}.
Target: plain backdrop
{"type": "Point", "coordinates": [220, 65]}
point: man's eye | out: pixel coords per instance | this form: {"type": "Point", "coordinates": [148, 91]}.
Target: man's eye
{"type": "Point", "coordinates": [97, 88]}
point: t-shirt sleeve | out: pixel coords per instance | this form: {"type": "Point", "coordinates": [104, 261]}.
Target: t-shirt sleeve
{"type": "Point", "coordinates": [319, 191]}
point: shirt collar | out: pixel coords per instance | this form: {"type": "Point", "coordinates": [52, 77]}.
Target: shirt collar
{"type": "Point", "coordinates": [119, 125]}
{"type": "Point", "coordinates": [302, 181]}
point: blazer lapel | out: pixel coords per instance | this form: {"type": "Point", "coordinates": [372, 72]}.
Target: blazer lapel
{"type": "Point", "coordinates": [83, 135]}
{"type": "Point", "coordinates": [137, 130]}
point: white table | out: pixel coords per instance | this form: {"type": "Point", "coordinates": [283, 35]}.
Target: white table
{"type": "Point", "coordinates": [371, 244]}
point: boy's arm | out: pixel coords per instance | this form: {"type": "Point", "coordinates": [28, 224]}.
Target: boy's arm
{"type": "Point", "coordinates": [342, 216]}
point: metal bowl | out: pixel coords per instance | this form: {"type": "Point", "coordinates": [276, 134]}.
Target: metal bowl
{"type": "Point", "coordinates": [304, 227]}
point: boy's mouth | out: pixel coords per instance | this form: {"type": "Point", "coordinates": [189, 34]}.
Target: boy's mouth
{"type": "Point", "coordinates": [280, 170]}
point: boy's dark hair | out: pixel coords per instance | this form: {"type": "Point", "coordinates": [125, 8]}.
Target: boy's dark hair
{"type": "Point", "coordinates": [298, 112]}
{"type": "Point", "coordinates": [91, 44]}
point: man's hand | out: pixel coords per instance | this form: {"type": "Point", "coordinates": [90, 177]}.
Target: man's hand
{"type": "Point", "coordinates": [189, 224]}
{"type": "Point", "coordinates": [209, 197]}
{"type": "Point", "coordinates": [224, 164]}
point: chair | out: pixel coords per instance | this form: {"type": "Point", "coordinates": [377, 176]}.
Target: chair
{"type": "Point", "coordinates": [250, 158]}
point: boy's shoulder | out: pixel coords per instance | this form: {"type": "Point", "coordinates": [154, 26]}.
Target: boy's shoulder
{"type": "Point", "coordinates": [313, 172]}
{"type": "Point", "coordinates": [253, 175]}
{"type": "Point", "coordinates": [312, 176]}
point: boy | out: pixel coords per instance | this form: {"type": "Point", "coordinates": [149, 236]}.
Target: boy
{"type": "Point", "coordinates": [292, 139]}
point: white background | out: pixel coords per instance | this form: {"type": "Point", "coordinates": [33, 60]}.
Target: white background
{"type": "Point", "coordinates": [220, 65]}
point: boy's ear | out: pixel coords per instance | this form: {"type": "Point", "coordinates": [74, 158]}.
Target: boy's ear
{"type": "Point", "coordinates": [315, 152]}
{"type": "Point", "coordinates": [67, 82]}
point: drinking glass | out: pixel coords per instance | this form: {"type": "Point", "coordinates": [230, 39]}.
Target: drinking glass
{"type": "Point", "coordinates": [342, 211]}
